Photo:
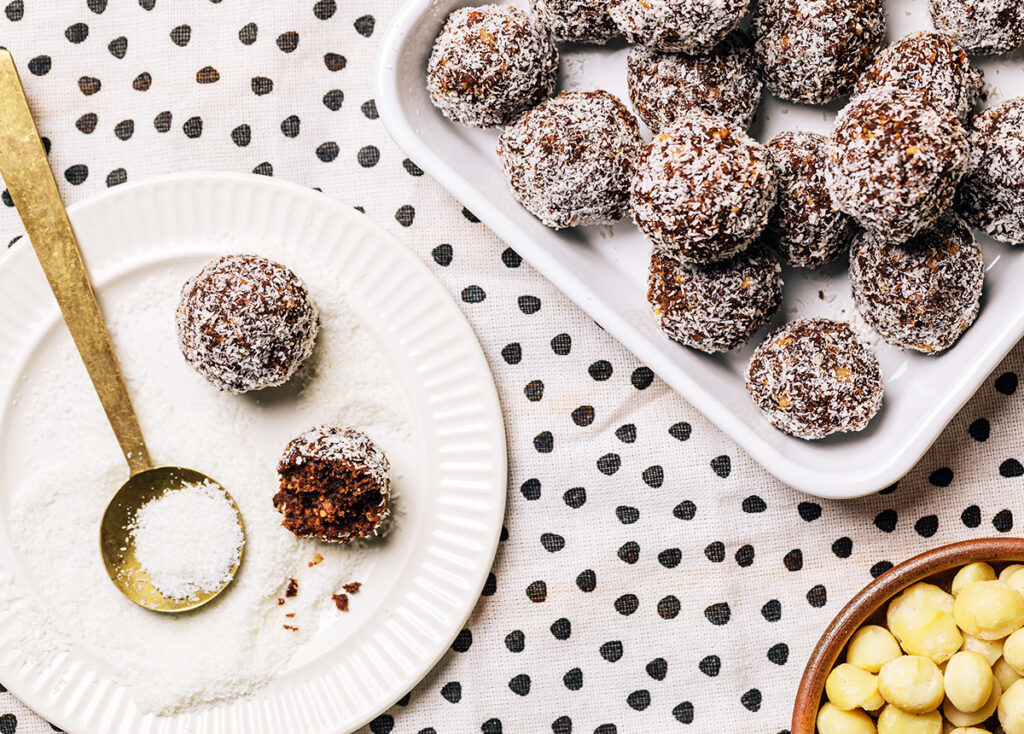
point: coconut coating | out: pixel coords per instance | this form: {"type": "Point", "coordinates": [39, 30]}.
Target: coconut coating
{"type": "Point", "coordinates": [722, 82]}
{"type": "Point", "coordinates": [931, 62]}
{"type": "Point", "coordinates": [895, 158]}
{"type": "Point", "coordinates": [246, 323]}
{"type": "Point", "coordinates": [980, 26]}
{"type": "Point", "coordinates": [690, 26]}
{"type": "Point", "coordinates": [570, 159]}
{"type": "Point", "coordinates": [577, 21]}
{"type": "Point", "coordinates": [924, 293]}
{"type": "Point", "coordinates": [991, 196]}
{"type": "Point", "coordinates": [806, 227]}
{"type": "Point", "coordinates": [490, 64]}
{"type": "Point", "coordinates": [813, 51]}
{"type": "Point", "coordinates": [717, 307]}
{"type": "Point", "coordinates": [814, 377]}
{"type": "Point", "coordinates": [703, 189]}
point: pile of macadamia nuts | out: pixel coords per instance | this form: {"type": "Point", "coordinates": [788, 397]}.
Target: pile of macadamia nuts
{"type": "Point", "coordinates": [944, 663]}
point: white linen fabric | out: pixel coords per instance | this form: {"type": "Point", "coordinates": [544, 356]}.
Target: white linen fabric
{"type": "Point", "coordinates": [652, 577]}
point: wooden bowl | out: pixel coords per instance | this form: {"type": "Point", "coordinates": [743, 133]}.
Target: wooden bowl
{"type": "Point", "coordinates": [936, 566]}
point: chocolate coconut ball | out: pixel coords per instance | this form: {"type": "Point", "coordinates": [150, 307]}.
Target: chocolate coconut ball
{"type": "Point", "coordinates": [717, 307]}
{"type": "Point", "coordinates": [577, 21]}
{"type": "Point", "coordinates": [246, 323]}
{"type": "Point", "coordinates": [924, 293]}
{"type": "Point", "coordinates": [813, 51]}
{"type": "Point", "coordinates": [335, 485]}
{"type": "Point", "coordinates": [690, 26]}
{"type": "Point", "coordinates": [806, 227]}
{"type": "Point", "coordinates": [570, 159]}
{"type": "Point", "coordinates": [490, 64]}
{"type": "Point", "coordinates": [991, 196]}
{"type": "Point", "coordinates": [723, 82]}
{"type": "Point", "coordinates": [814, 377]}
{"type": "Point", "coordinates": [894, 160]}
{"type": "Point", "coordinates": [930, 62]}
{"type": "Point", "coordinates": [980, 26]}
{"type": "Point", "coordinates": [703, 190]}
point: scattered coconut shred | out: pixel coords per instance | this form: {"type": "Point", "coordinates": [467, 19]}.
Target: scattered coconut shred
{"type": "Point", "coordinates": [248, 634]}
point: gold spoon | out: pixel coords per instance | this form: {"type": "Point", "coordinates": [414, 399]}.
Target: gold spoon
{"type": "Point", "coordinates": [30, 181]}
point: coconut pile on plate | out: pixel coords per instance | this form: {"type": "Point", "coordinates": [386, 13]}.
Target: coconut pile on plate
{"type": "Point", "coordinates": [906, 172]}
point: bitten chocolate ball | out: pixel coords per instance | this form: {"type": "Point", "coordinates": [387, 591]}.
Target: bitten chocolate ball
{"type": "Point", "coordinates": [894, 160]}
{"type": "Point", "coordinates": [814, 377]}
{"type": "Point", "coordinates": [577, 21]}
{"type": "Point", "coordinates": [246, 323]}
{"type": "Point", "coordinates": [723, 82]}
{"type": "Point", "coordinates": [703, 189]}
{"type": "Point", "coordinates": [570, 159]}
{"type": "Point", "coordinates": [690, 26]}
{"type": "Point", "coordinates": [929, 62]}
{"type": "Point", "coordinates": [335, 485]}
{"type": "Point", "coordinates": [991, 196]}
{"type": "Point", "coordinates": [717, 307]}
{"type": "Point", "coordinates": [490, 64]}
{"type": "Point", "coordinates": [980, 26]}
{"type": "Point", "coordinates": [813, 51]}
{"type": "Point", "coordinates": [806, 227]}
{"type": "Point", "coordinates": [924, 293]}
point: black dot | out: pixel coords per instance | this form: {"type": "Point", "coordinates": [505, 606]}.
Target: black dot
{"type": "Point", "coordinates": [333, 99]}
{"type": "Point", "coordinates": [927, 526]}
{"type": "Point", "coordinates": [552, 543]}
{"type": "Point", "coordinates": [364, 25]}
{"type": "Point", "coordinates": [639, 700]}
{"type": "Point", "coordinates": [512, 353]}
{"type": "Point", "coordinates": [561, 629]}
{"type": "Point", "coordinates": [141, 83]}
{"type": "Point", "coordinates": [941, 477]}
{"type": "Point", "coordinates": [879, 568]}
{"type": "Point", "coordinates": [561, 725]}
{"type": "Point", "coordinates": [1011, 468]}
{"type": "Point", "coordinates": [573, 680]}
{"type": "Point", "coordinates": [670, 557]}
{"type": "Point", "coordinates": [609, 464]}
{"type": "Point", "coordinates": [118, 47]}
{"type": "Point", "coordinates": [817, 597]}
{"type": "Point", "coordinates": [544, 442]}
{"type": "Point", "coordinates": [515, 641]}
{"type": "Point", "coordinates": [162, 122]}
{"type": "Point", "coordinates": [575, 497]}
{"type": "Point", "coordinates": [611, 651]}
{"type": "Point", "coordinates": [890, 489]}
{"type": "Point", "coordinates": [809, 511]}
{"type": "Point", "coordinates": [442, 255]}
{"type": "Point", "coordinates": [261, 85]}
{"type": "Point", "coordinates": [561, 344]}
{"type": "Point", "coordinates": [520, 684]}
{"type": "Point", "coordinates": [529, 304]}
{"type": "Point", "coordinates": [207, 75]}
{"type": "Point", "coordinates": [116, 177]}
{"type": "Point", "coordinates": [627, 604]}
{"type": "Point", "coordinates": [368, 156]}
{"type": "Point", "coordinates": [334, 62]}
{"type": "Point", "coordinates": [324, 9]}
{"type": "Point", "coordinates": [744, 556]}
{"type": "Point", "coordinates": [405, 213]}
{"type": "Point", "coordinates": [754, 504]}
{"type": "Point", "coordinates": [504, 534]}
{"type": "Point", "coordinates": [794, 560]}
{"type": "Point", "coordinates": [626, 433]}
{"type": "Point", "coordinates": [383, 724]}
{"type": "Point", "coordinates": [193, 127]}
{"type": "Point", "coordinates": [683, 713]}
{"type": "Point", "coordinates": [290, 126]}
{"type": "Point", "coordinates": [87, 122]}
{"type": "Point", "coordinates": [772, 610]}
{"type": "Point", "coordinates": [76, 174]}
{"type": "Point", "coordinates": [751, 700]}
{"type": "Point", "coordinates": [473, 294]}
{"type": "Point", "coordinates": [40, 65]}
{"type": "Point", "coordinates": [657, 668]}
{"type": "Point", "coordinates": [537, 592]}
{"type": "Point", "coordinates": [241, 135]}
{"type": "Point", "coordinates": [718, 614]}
{"type": "Point", "coordinates": [586, 581]}
{"type": "Point", "coordinates": [490, 585]}
{"type": "Point", "coordinates": [147, 4]}
{"type": "Point", "coordinates": [369, 110]}
{"type": "Point", "coordinates": [653, 476]}
{"type": "Point", "coordinates": [685, 510]}
{"type": "Point", "coordinates": [980, 429]}
{"type": "Point", "coordinates": [530, 489]}
{"type": "Point", "coordinates": [606, 729]}
{"type": "Point", "coordinates": [124, 129]}
{"type": "Point", "coordinates": [11, 244]}
{"type": "Point", "coordinates": [886, 520]}
{"type": "Point", "coordinates": [642, 378]}
{"type": "Point", "coordinates": [1003, 521]}
{"type": "Point", "coordinates": [76, 33]}
{"type": "Point", "coordinates": [668, 607]}
{"type": "Point", "coordinates": [5, 196]}
{"type": "Point", "coordinates": [288, 41]}
{"type": "Point", "coordinates": [779, 654]}
{"type": "Point", "coordinates": [583, 416]}
{"type": "Point", "coordinates": [181, 35]}
{"type": "Point", "coordinates": [452, 692]}
{"type": "Point", "coordinates": [247, 34]}
{"type": "Point", "coordinates": [971, 517]}
{"type": "Point", "coordinates": [680, 431]}
{"type": "Point", "coordinates": [263, 169]}
{"type": "Point", "coordinates": [600, 370]}
{"type": "Point", "coordinates": [1006, 383]}
{"type": "Point", "coordinates": [411, 168]}
{"type": "Point", "coordinates": [715, 552]}
{"type": "Point", "coordinates": [843, 547]}
{"type": "Point", "coordinates": [629, 552]}
{"type": "Point", "coordinates": [491, 726]}
{"type": "Point", "coordinates": [710, 666]}
{"type": "Point", "coordinates": [15, 10]}
{"type": "Point", "coordinates": [722, 466]}
{"type": "Point", "coordinates": [463, 641]}
{"type": "Point", "coordinates": [511, 258]}
{"type": "Point", "coordinates": [470, 216]}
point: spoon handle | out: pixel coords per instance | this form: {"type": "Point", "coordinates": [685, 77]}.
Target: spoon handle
{"type": "Point", "coordinates": [30, 181]}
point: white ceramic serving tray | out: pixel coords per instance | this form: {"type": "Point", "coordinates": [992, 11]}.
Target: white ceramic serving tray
{"type": "Point", "coordinates": [604, 269]}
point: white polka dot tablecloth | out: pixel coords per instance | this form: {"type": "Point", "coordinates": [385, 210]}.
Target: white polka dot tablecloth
{"type": "Point", "coordinates": [651, 577]}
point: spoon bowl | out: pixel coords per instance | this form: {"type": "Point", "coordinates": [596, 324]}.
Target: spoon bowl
{"type": "Point", "coordinates": [118, 547]}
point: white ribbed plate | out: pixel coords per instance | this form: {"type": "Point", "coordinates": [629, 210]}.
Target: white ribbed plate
{"type": "Point", "coordinates": [423, 589]}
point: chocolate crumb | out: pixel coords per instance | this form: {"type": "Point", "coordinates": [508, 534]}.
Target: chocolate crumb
{"type": "Point", "coordinates": [340, 601]}
{"type": "Point", "coordinates": [352, 588]}
{"type": "Point", "coordinates": [293, 588]}
{"type": "Point", "coordinates": [280, 601]}
{"type": "Point", "coordinates": [290, 628]}
{"type": "Point", "coordinates": [821, 295]}
{"type": "Point", "coordinates": [290, 615]}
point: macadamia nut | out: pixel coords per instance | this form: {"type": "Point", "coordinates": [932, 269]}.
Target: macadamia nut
{"type": "Point", "coordinates": [970, 573]}
{"type": "Point", "coordinates": [1011, 709]}
{"type": "Point", "coordinates": [849, 687]}
{"type": "Point", "coordinates": [991, 650]}
{"type": "Point", "coordinates": [989, 610]}
{"type": "Point", "coordinates": [968, 681]}
{"type": "Point", "coordinates": [833, 720]}
{"type": "Point", "coordinates": [894, 721]}
{"type": "Point", "coordinates": [911, 683]}
{"type": "Point", "coordinates": [956, 717]}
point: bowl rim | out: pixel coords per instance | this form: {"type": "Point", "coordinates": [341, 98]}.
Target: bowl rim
{"type": "Point", "coordinates": [833, 640]}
